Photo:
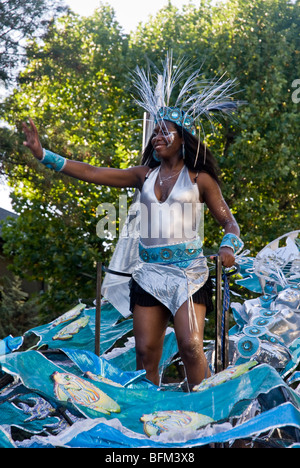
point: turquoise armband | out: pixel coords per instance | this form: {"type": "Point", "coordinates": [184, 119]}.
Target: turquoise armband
{"type": "Point", "coordinates": [233, 242]}
{"type": "Point", "coordinates": [53, 161]}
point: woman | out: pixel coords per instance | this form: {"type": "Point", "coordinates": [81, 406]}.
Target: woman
{"type": "Point", "coordinates": [168, 166]}
{"type": "Point", "coordinates": [178, 174]}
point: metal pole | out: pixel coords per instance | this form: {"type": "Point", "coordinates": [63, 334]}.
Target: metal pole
{"type": "Point", "coordinates": [98, 309]}
{"type": "Point", "coordinates": [225, 350]}
{"type": "Point", "coordinates": [218, 316]}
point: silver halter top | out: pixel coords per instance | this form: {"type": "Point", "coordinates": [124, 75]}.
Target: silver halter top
{"type": "Point", "coordinates": [177, 219]}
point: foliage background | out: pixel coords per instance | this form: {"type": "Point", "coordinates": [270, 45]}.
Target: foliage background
{"type": "Point", "coordinates": [76, 88]}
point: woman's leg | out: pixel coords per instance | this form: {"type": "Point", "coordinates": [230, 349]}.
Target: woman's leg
{"type": "Point", "coordinates": [190, 343]}
{"type": "Point", "coordinates": [149, 326]}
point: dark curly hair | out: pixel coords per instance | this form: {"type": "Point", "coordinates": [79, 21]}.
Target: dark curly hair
{"type": "Point", "coordinates": [206, 162]}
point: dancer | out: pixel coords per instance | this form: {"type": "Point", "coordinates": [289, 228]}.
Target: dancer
{"type": "Point", "coordinates": [177, 175]}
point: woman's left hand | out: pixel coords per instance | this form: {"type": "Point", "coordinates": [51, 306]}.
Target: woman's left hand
{"type": "Point", "coordinates": [227, 257]}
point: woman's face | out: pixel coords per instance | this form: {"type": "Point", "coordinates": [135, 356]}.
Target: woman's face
{"type": "Point", "coordinates": [166, 140]}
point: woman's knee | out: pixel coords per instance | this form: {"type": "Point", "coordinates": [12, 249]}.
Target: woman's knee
{"type": "Point", "coordinates": [143, 351]}
{"type": "Point", "coordinates": [191, 349]}
{"type": "Point", "coordinates": [150, 325]}
{"type": "Point", "coordinates": [148, 355]}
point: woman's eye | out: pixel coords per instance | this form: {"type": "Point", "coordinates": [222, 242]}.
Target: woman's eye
{"type": "Point", "coordinates": [164, 135]}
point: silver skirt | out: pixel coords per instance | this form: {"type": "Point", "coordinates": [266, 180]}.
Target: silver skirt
{"type": "Point", "coordinates": [169, 284]}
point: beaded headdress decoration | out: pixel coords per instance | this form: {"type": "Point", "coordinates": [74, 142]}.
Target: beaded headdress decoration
{"type": "Point", "coordinates": [197, 99]}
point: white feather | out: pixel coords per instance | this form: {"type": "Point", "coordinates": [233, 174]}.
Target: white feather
{"type": "Point", "coordinates": [197, 98]}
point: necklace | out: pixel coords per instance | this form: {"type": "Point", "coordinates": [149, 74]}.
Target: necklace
{"type": "Point", "coordinates": [161, 181]}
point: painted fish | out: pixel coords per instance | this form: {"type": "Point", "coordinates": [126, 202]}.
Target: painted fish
{"type": "Point", "coordinates": [99, 378]}
{"type": "Point", "coordinates": [167, 421]}
{"type": "Point", "coordinates": [72, 329]}
{"type": "Point", "coordinates": [70, 315]}
{"type": "Point", "coordinates": [224, 376]}
{"type": "Point", "coordinates": [70, 387]}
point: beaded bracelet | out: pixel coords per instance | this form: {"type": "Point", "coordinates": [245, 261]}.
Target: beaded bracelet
{"type": "Point", "coordinates": [233, 242]}
{"type": "Point", "coordinates": [53, 161]}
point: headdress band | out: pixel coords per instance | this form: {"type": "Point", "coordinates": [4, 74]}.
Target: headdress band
{"type": "Point", "coordinates": [176, 115]}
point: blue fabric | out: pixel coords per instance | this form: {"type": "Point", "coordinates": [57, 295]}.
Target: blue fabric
{"type": "Point", "coordinates": [220, 402]}
{"type": "Point", "coordinates": [10, 344]}
{"type": "Point", "coordinates": [228, 398]}
{"type": "Point", "coordinates": [104, 436]}
{"type": "Point", "coordinates": [89, 362]}
{"type": "Point", "coordinates": [84, 337]}
{"type": "Point", "coordinates": [5, 440]}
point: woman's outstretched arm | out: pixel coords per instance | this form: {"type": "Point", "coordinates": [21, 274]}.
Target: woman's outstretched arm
{"type": "Point", "coordinates": [131, 177]}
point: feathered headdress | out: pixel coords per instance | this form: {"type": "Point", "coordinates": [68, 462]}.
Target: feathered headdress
{"type": "Point", "coordinates": [196, 100]}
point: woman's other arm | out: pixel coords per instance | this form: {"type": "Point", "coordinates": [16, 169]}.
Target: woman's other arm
{"type": "Point", "coordinates": [211, 194]}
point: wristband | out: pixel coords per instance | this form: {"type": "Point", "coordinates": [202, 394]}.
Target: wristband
{"type": "Point", "coordinates": [233, 242]}
{"type": "Point", "coordinates": [53, 161]}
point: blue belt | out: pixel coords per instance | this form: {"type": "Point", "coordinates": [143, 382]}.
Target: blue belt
{"type": "Point", "coordinates": [182, 254]}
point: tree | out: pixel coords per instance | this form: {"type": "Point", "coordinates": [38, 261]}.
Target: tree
{"type": "Point", "coordinates": [21, 20]}
{"type": "Point", "coordinates": [72, 90]}
{"type": "Point", "coordinates": [18, 313]}
{"type": "Point", "coordinates": [260, 162]}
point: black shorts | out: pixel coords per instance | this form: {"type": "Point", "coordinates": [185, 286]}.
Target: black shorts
{"type": "Point", "coordinates": [138, 296]}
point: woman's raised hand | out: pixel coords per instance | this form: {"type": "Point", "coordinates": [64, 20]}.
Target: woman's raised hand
{"type": "Point", "coordinates": [32, 139]}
